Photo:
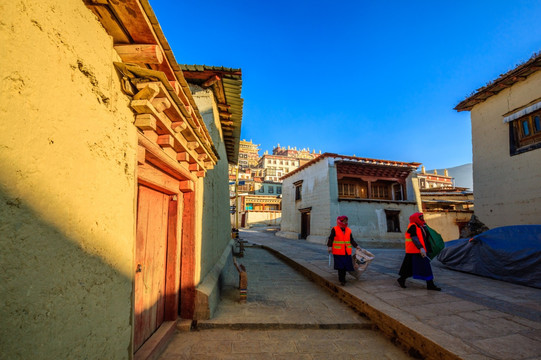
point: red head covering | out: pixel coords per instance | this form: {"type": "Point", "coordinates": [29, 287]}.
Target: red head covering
{"type": "Point", "coordinates": [416, 219]}
{"type": "Point", "coordinates": [340, 221]}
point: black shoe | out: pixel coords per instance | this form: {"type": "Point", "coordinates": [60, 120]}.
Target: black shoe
{"type": "Point", "coordinates": [433, 287]}
{"type": "Point", "coordinates": [342, 283]}
{"type": "Point", "coordinates": [401, 282]}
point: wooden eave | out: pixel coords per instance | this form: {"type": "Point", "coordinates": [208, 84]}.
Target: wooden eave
{"type": "Point", "coordinates": [372, 171]}
{"type": "Point", "coordinates": [411, 166]}
{"type": "Point", "coordinates": [133, 22]}
{"type": "Point", "coordinates": [226, 85]}
{"type": "Point", "coordinates": [506, 80]}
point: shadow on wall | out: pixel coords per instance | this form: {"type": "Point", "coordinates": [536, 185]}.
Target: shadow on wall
{"type": "Point", "coordinates": [57, 300]}
{"type": "Point", "coordinates": [216, 228]}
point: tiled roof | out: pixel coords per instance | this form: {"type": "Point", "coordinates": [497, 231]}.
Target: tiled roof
{"type": "Point", "coordinates": [227, 87]}
{"type": "Point", "coordinates": [506, 80]}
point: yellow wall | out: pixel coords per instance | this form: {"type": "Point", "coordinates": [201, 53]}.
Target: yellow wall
{"type": "Point", "coordinates": [67, 191]}
{"type": "Point", "coordinates": [445, 223]}
{"type": "Point", "coordinates": [507, 190]}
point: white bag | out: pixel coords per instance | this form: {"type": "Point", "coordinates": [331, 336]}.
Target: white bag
{"type": "Point", "coordinates": [361, 259]}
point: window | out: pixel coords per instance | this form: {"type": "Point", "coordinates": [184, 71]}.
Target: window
{"type": "Point", "coordinates": [262, 189]}
{"type": "Point", "coordinates": [393, 220]}
{"type": "Point", "coordinates": [298, 190]}
{"type": "Point", "coordinates": [380, 191]}
{"type": "Point", "coordinates": [271, 189]}
{"type": "Point", "coordinates": [278, 189]}
{"type": "Point", "coordinates": [347, 190]}
{"type": "Point", "coordinates": [525, 133]}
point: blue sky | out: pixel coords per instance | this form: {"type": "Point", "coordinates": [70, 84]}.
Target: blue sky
{"type": "Point", "coordinates": [375, 79]}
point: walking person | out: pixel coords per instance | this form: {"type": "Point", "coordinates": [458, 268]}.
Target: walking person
{"type": "Point", "coordinates": [340, 243]}
{"type": "Point", "coordinates": [416, 263]}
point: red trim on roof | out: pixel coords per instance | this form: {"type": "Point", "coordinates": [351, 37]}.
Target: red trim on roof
{"type": "Point", "coordinates": [413, 165]}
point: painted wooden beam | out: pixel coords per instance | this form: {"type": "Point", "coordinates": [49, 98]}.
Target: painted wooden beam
{"type": "Point", "coordinates": [140, 53]}
{"type": "Point", "coordinates": [211, 81]}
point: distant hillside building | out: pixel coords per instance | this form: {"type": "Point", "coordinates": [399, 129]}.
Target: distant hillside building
{"type": "Point", "coordinates": [506, 139]}
{"type": "Point", "coordinates": [276, 166]}
{"type": "Point", "coordinates": [434, 180]}
{"type": "Point", "coordinates": [248, 154]}
{"type": "Point", "coordinates": [303, 155]}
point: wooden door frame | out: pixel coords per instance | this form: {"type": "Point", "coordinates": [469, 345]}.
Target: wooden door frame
{"type": "Point", "coordinates": [303, 213]}
{"type": "Point", "coordinates": [156, 170]}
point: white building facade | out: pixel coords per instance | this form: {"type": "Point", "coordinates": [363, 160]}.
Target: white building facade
{"type": "Point", "coordinates": [378, 197]}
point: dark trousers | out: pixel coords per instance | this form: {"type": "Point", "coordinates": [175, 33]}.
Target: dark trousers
{"type": "Point", "coordinates": [342, 275]}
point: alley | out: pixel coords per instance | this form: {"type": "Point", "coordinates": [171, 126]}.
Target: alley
{"type": "Point", "coordinates": [286, 316]}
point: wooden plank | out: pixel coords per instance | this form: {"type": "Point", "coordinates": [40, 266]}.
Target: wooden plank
{"type": "Point", "coordinates": [145, 122]}
{"type": "Point", "coordinates": [142, 215]}
{"type": "Point", "coordinates": [183, 156]}
{"type": "Point", "coordinates": [211, 81]}
{"type": "Point", "coordinates": [172, 271]}
{"type": "Point", "coordinates": [161, 104]}
{"type": "Point", "coordinates": [153, 178]}
{"type": "Point", "coordinates": [187, 274]}
{"type": "Point", "coordinates": [166, 141]}
{"type": "Point", "coordinates": [140, 53]}
{"type": "Point", "coordinates": [155, 155]}
{"type": "Point", "coordinates": [179, 126]}
{"type": "Point", "coordinates": [147, 91]}
{"type": "Point", "coordinates": [157, 342]}
{"type": "Point", "coordinates": [176, 86]}
{"type": "Point", "coordinates": [109, 22]}
{"type": "Point", "coordinates": [186, 186]}
{"type": "Point", "coordinates": [192, 145]}
{"type": "Point", "coordinates": [225, 115]}
{"type": "Point", "coordinates": [134, 20]}
{"type": "Point", "coordinates": [140, 155]}
{"type": "Point", "coordinates": [151, 135]}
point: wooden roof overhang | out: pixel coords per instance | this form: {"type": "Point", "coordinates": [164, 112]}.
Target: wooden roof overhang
{"type": "Point", "coordinates": [369, 171]}
{"type": "Point", "coordinates": [226, 84]}
{"type": "Point", "coordinates": [374, 163]}
{"type": "Point", "coordinates": [506, 80]}
{"type": "Point", "coordinates": [166, 111]}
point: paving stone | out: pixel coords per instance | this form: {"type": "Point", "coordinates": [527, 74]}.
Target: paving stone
{"type": "Point", "coordinates": [510, 347]}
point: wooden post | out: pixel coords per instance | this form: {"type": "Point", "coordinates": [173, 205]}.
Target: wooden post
{"type": "Point", "coordinates": [187, 271]}
{"type": "Point", "coordinates": [243, 281]}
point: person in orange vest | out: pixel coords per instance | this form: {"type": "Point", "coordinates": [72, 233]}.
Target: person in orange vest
{"type": "Point", "coordinates": [415, 262]}
{"type": "Point", "coordinates": [340, 244]}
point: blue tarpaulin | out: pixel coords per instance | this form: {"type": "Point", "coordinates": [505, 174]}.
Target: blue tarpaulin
{"type": "Point", "coordinates": [508, 253]}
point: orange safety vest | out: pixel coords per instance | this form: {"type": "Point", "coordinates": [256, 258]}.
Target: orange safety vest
{"type": "Point", "coordinates": [341, 244]}
{"type": "Point", "coordinates": [410, 246]}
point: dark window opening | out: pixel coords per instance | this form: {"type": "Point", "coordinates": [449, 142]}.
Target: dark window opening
{"type": "Point", "coordinates": [393, 220]}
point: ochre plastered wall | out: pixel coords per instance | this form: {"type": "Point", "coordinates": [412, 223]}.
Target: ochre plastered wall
{"type": "Point", "coordinates": [67, 187]}
{"type": "Point", "coordinates": [507, 190]}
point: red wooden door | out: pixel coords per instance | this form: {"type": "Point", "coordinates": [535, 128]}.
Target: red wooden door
{"type": "Point", "coordinates": [150, 257]}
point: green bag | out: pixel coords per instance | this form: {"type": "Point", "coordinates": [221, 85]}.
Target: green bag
{"type": "Point", "coordinates": [436, 243]}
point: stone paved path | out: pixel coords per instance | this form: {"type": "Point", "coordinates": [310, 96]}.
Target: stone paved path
{"type": "Point", "coordinates": [286, 316]}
